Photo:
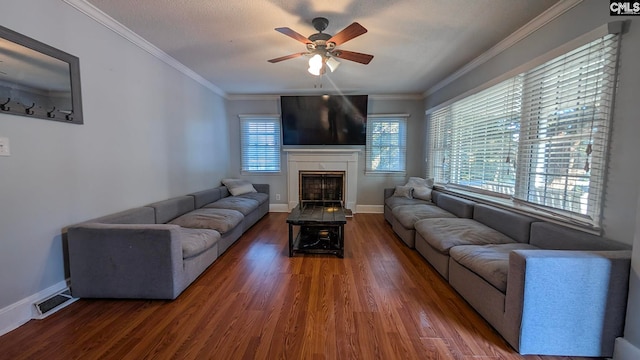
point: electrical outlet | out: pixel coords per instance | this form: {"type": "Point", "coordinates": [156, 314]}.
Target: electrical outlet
{"type": "Point", "coordinates": [277, 196]}
{"type": "Point", "coordinates": [4, 147]}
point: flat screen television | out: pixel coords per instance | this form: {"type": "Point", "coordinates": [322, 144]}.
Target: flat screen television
{"type": "Point", "coordinates": [324, 120]}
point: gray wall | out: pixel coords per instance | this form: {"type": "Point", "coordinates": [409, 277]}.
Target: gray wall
{"type": "Point", "coordinates": [150, 133]}
{"type": "Point", "coordinates": [369, 186]}
{"type": "Point", "coordinates": [622, 192]}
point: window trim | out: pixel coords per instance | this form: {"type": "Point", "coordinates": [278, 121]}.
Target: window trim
{"type": "Point", "coordinates": [518, 206]}
{"type": "Point", "coordinates": [404, 121]}
{"type": "Point", "coordinates": [271, 118]}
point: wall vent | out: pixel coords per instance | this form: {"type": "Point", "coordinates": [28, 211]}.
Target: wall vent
{"type": "Point", "coordinates": [53, 303]}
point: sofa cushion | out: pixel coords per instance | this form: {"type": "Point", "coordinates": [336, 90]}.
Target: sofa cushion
{"type": "Point", "coordinates": [490, 262]}
{"type": "Point", "coordinates": [244, 205]}
{"type": "Point", "coordinates": [224, 192]}
{"type": "Point", "coordinates": [394, 201]}
{"type": "Point", "coordinates": [139, 215]}
{"type": "Point", "coordinates": [456, 205]}
{"type": "Point", "coordinates": [205, 197]}
{"type": "Point", "coordinates": [197, 241]}
{"type": "Point", "coordinates": [407, 215]}
{"type": "Point", "coordinates": [556, 237]}
{"type": "Point", "coordinates": [516, 226]}
{"type": "Point", "coordinates": [238, 186]}
{"type": "Point", "coordinates": [261, 198]}
{"type": "Point", "coordinates": [170, 209]}
{"type": "Point", "coordinates": [443, 234]}
{"type": "Point", "coordinates": [221, 220]}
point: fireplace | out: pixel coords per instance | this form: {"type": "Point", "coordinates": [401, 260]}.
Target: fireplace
{"type": "Point", "coordinates": [321, 187]}
{"type": "Point", "coordinates": [344, 161]}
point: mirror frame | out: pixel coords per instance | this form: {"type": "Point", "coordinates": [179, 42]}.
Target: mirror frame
{"type": "Point", "coordinates": [75, 117]}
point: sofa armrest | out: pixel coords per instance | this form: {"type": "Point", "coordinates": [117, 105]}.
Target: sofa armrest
{"type": "Point", "coordinates": [262, 188]}
{"type": "Point", "coordinates": [566, 302]}
{"type": "Point", "coordinates": [388, 192]}
{"type": "Point", "coordinates": [125, 261]}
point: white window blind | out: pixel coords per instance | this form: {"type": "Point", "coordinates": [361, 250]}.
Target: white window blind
{"type": "Point", "coordinates": [386, 144]}
{"type": "Point", "coordinates": [260, 143]}
{"type": "Point", "coordinates": [439, 145]}
{"type": "Point", "coordinates": [565, 127]}
{"type": "Point", "coordinates": [540, 137]}
{"type": "Point", "coordinates": [485, 130]}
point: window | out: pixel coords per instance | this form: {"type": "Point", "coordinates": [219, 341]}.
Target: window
{"type": "Point", "coordinates": [539, 138]}
{"type": "Point", "coordinates": [260, 143]}
{"type": "Point", "coordinates": [386, 143]}
{"type": "Point", "coordinates": [439, 145]}
{"type": "Point", "coordinates": [485, 129]}
{"type": "Point", "coordinates": [565, 127]}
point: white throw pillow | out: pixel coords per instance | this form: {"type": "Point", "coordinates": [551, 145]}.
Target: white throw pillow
{"type": "Point", "coordinates": [421, 187]}
{"type": "Point", "coordinates": [238, 186]}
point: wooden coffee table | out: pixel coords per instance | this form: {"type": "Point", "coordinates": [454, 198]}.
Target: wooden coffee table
{"type": "Point", "coordinates": [321, 229]}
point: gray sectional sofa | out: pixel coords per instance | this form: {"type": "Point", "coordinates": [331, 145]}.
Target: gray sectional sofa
{"type": "Point", "coordinates": [546, 288]}
{"type": "Point", "coordinates": [156, 251]}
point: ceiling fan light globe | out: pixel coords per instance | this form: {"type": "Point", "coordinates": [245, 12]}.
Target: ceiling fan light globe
{"type": "Point", "coordinates": [314, 71]}
{"type": "Point", "coordinates": [315, 61]}
{"type": "Point", "coordinates": [332, 64]}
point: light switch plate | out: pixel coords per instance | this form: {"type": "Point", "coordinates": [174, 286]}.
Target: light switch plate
{"type": "Point", "coordinates": [4, 147]}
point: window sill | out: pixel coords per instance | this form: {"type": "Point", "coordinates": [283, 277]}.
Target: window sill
{"type": "Point", "coordinates": [386, 173]}
{"type": "Point", "coordinates": [267, 173]}
{"type": "Point", "coordinates": [510, 204]}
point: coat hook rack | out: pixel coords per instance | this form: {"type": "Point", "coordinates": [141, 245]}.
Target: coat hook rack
{"type": "Point", "coordinates": [28, 110]}
{"type": "Point", "coordinates": [4, 106]}
{"type": "Point", "coordinates": [50, 114]}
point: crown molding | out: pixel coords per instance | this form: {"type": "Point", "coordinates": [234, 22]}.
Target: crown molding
{"type": "Point", "coordinates": [532, 26]}
{"type": "Point", "coordinates": [110, 23]}
{"type": "Point", "coordinates": [253, 97]}
{"type": "Point", "coordinates": [272, 97]}
{"type": "Point", "coordinates": [396, 96]}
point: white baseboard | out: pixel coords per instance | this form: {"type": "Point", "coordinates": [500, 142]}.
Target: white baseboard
{"type": "Point", "coordinates": [624, 350]}
{"type": "Point", "coordinates": [370, 209]}
{"type": "Point", "coordinates": [17, 314]}
{"type": "Point", "coordinates": [278, 208]}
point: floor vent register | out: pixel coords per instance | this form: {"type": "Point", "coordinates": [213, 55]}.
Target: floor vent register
{"type": "Point", "coordinates": [54, 303]}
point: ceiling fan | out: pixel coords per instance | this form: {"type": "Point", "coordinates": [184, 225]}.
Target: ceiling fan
{"type": "Point", "coordinates": [322, 47]}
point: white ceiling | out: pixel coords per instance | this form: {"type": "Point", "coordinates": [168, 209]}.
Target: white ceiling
{"type": "Point", "coordinates": [416, 43]}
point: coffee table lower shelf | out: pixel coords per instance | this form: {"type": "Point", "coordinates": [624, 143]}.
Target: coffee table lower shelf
{"type": "Point", "coordinates": [317, 239]}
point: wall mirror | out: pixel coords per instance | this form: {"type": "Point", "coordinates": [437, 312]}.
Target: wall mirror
{"type": "Point", "coordinates": [37, 80]}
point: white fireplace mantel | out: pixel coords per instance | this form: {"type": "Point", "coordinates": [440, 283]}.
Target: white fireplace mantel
{"type": "Point", "coordinates": [323, 160]}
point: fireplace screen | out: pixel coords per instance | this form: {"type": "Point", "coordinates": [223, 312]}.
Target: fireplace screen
{"type": "Point", "coordinates": [321, 187]}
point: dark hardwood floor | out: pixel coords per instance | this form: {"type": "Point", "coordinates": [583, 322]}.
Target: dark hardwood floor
{"type": "Point", "coordinates": [382, 301]}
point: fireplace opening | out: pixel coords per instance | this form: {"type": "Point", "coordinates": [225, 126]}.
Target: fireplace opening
{"type": "Point", "coordinates": [322, 187]}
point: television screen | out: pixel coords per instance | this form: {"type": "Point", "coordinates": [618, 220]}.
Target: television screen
{"type": "Point", "coordinates": [324, 120]}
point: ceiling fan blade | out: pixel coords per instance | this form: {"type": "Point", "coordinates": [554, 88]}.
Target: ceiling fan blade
{"type": "Point", "coordinates": [292, 34]}
{"type": "Point", "coordinates": [287, 57]}
{"type": "Point", "coordinates": [348, 33]}
{"type": "Point", "coordinates": [353, 56]}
